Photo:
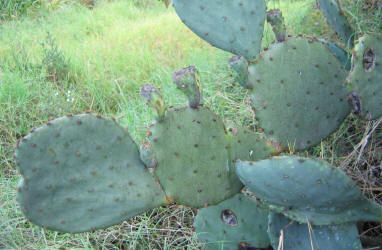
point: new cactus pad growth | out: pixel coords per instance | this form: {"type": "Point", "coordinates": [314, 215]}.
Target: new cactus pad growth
{"type": "Point", "coordinates": [365, 79]}
{"type": "Point", "coordinates": [335, 16]}
{"type": "Point", "coordinates": [276, 19]}
{"type": "Point", "coordinates": [187, 80]}
{"type": "Point", "coordinates": [305, 101]}
{"type": "Point", "coordinates": [292, 235]}
{"type": "Point", "coordinates": [238, 221]}
{"type": "Point", "coordinates": [154, 99]}
{"type": "Point", "coordinates": [235, 26]}
{"type": "Point", "coordinates": [307, 190]}
{"type": "Point", "coordinates": [81, 173]}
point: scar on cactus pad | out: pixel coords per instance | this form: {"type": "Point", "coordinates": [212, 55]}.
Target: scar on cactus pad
{"type": "Point", "coordinates": [234, 223]}
{"type": "Point", "coordinates": [364, 82]}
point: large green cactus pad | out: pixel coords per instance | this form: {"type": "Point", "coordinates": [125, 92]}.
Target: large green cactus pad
{"type": "Point", "coordinates": [305, 189]}
{"type": "Point", "coordinates": [365, 79]}
{"type": "Point", "coordinates": [82, 173]}
{"type": "Point", "coordinates": [191, 150]}
{"type": "Point", "coordinates": [302, 236]}
{"type": "Point", "coordinates": [239, 220]}
{"type": "Point", "coordinates": [235, 26]}
{"type": "Point", "coordinates": [297, 92]}
{"type": "Point", "coordinates": [336, 18]}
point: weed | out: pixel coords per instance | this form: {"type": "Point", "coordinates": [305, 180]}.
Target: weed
{"type": "Point", "coordinates": [15, 8]}
{"type": "Point", "coordinates": [56, 65]}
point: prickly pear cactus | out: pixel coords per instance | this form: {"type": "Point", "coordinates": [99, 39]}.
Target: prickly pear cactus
{"type": "Point", "coordinates": [365, 79]}
{"type": "Point", "coordinates": [336, 18]}
{"type": "Point", "coordinates": [232, 223]}
{"type": "Point", "coordinates": [295, 236]}
{"type": "Point", "coordinates": [235, 26]}
{"type": "Point", "coordinates": [191, 149]}
{"type": "Point", "coordinates": [297, 92]}
{"type": "Point", "coordinates": [307, 190]}
{"type": "Point", "coordinates": [81, 173]}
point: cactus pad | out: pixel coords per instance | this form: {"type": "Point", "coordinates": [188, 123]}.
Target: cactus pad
{"type": "Point", "coordinates": [82, 173]}
{"type": "Point", "coordinates": [191, 149]}
{"type": "Point", "coordinates": [365, 79]}
{"type": "Point", "coordinates": [305, 189]}
{"type": "Point", "coordinates": [336, 18]}
{"type": "Point", "coordinates": [234, 222]}
{"type": "Point", "coordinates": [235, 26]}
{"type": "Point", "coordinates": [302, 236]}
{"type": "Point", "coordinates": [340, 53]}
{"type": "Point", "coordinates": [248, 146]}
{"type": "Point", "coordinates": [297, 92]}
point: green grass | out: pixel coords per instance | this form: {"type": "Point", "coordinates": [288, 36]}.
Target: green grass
{"type": "Point", "coordinates": [70, 58]}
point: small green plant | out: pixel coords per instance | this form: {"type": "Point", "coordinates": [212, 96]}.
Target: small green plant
{"type": "Point", "coordinates": [15, 8]}
{"type": "Point", "coordinates": [54, 61]}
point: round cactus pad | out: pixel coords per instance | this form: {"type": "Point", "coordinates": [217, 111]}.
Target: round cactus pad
{"type": "Point", "coordinates": [307, 190]}
{"type": "Point", "coordinates": [365, 79]}
{"type": "Point", "coordinates": [82, 173]}
{"type": "Point", "coordinates": [298, 236]}
{"type": "Point", "coordinates": [238, 221]}
{"type": "Point", "coordinates": [191, 150]}
{"type": "Point", "coordinates": [235, 26]}
{"type": "Point", "coordinates": [298, 92]}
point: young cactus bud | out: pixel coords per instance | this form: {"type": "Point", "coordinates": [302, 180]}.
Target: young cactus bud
{"type": "Point", "coordinates": [154, 99]}
{"type": "Point", "coordinates": [240, 66]}
{"type": "Point", "coordinates": [276, 20]}
{"type": "Point", "coordinates": [187, 80]}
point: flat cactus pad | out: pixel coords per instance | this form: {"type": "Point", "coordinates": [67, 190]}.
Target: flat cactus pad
{"type": "Point", "coordinates": [336, 18]}
{"type": "Point", "coordinates": [235, 26]}
{"type": "Point", "coordinates": [81, 173]}
{"type": "Point", "coordinates": [191, 150]}
{"type": "Point", "coordinates": [298, 93]}
{"type": "Point", "coordinates": [296, 236]}
{"type": "Point", "coordinates": [239, 221]}
{"type": "Point", "coordinates": [307, 190]}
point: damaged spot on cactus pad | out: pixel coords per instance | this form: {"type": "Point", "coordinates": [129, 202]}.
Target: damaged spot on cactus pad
{"type": "Point", "coordinates": [355, 102]}
{"type": "Point", "coordinates": [229, 218]}
{"type": "Point", "coordinates": [369, 59]}
{"type": "Point", "coordinates": [244, 246]}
